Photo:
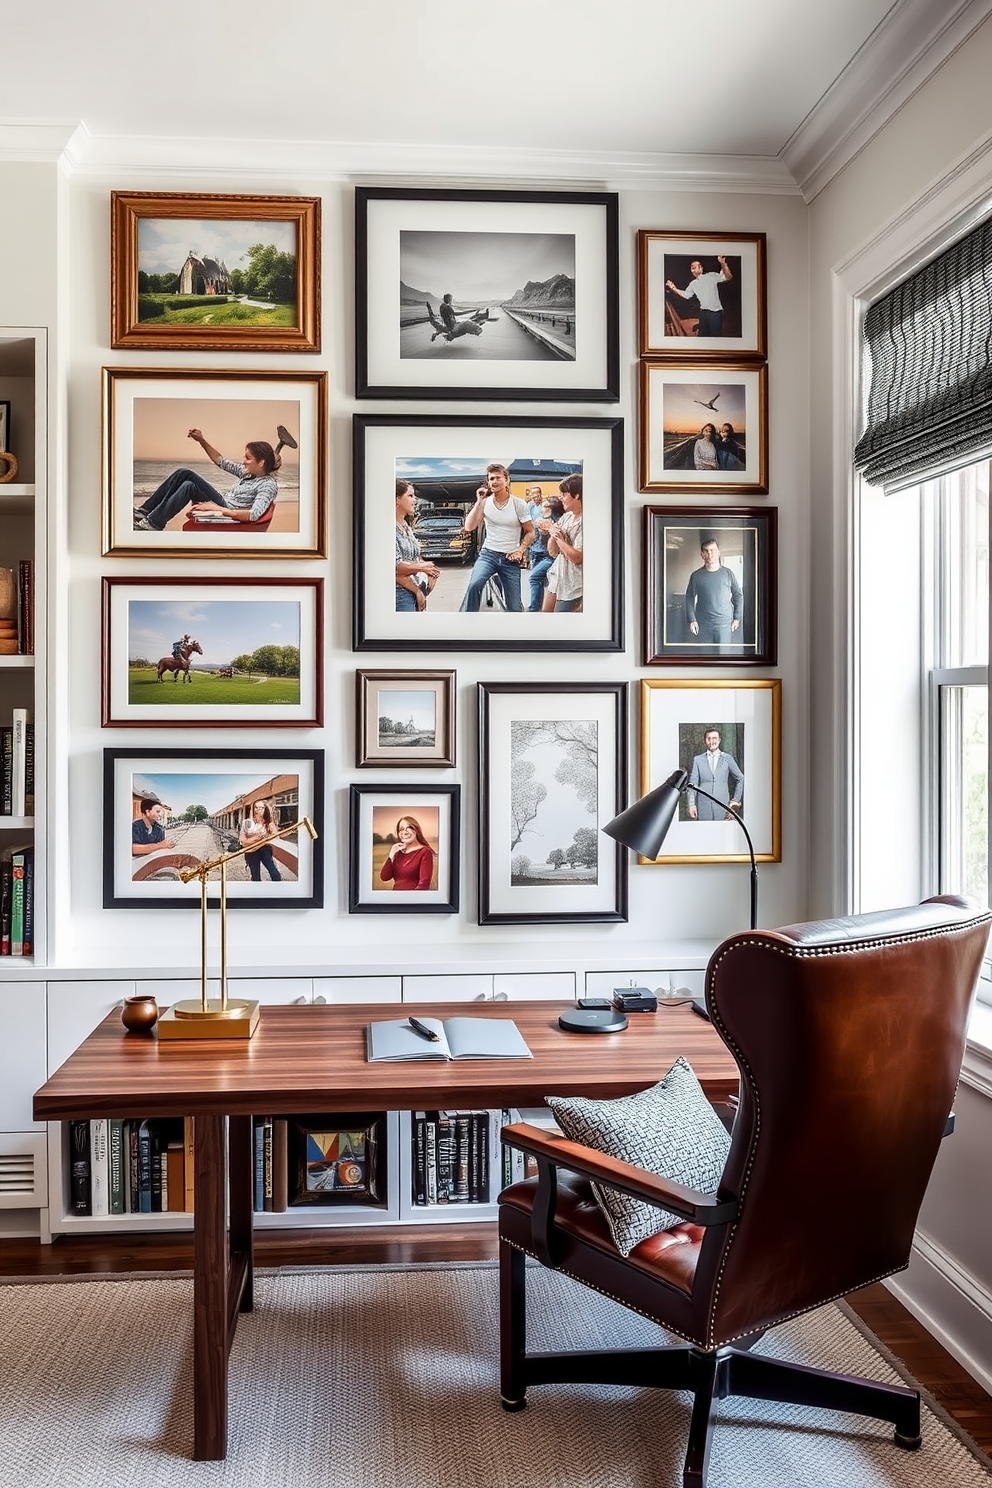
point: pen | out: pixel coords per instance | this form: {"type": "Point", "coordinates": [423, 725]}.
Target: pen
{"type": "Point", "coordinates": [424, 1031]}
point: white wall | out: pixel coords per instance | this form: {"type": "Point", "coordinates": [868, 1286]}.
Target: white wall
{"type": "Point", "coordinates": [665, 902]}
{"type": "Point", "coordinates": [928, 169]}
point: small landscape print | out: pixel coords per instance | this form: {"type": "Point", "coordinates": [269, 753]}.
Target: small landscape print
{"type": "Point", "coordinates": [554, 795]}
{"type": "Point", "coordinates": [407, 719]}
{"type": "Point", "coordinates": [487, 296]}
{"type": "Point", "coordinates": [211, 272]}
{"type": "Point", "coordinates": [713, 755]}
{"type": "Point", "coordinates": [180, 820]}
{"type": "Point", "coordinates": [405, 848]}
{"type": "Point", "coordinates": [242, 652]}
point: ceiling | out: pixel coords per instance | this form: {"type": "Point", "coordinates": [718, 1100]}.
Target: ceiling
{"type": "Point", "coordinates": [608, 78]}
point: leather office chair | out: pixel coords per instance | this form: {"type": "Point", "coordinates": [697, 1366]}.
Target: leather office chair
{"type": "Point", "coordinates": [849, 1036]}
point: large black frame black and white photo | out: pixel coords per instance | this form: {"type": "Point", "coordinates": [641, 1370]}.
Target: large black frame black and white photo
{"type": "Point", "coordinates": [487, 294]}
{"type": "Point", "coordinates": [443, 463]}
{"type": "Point", "coordinates": [554, 770]}
{"type": "Point", "coordinates": [710, 579]}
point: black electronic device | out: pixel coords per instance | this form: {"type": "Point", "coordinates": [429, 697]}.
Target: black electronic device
{"type": "Point", "coordinates": [592, 1020]}
{"type": "Point", "coordinates": [635, 1000]}
{"type": "Point", "coordinates": [593, 1002]}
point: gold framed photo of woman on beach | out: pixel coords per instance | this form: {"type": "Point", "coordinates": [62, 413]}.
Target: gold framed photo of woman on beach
{"type": "Point", "coordinates": [554, 772]}
{"type": "Point", "coordinates": [703, 429]}
{"type": "Point", "coordinates": [167, 810]}
{"type": "Point", "coordinates": [701, 296]}
{"type": "Point", "coordinates": [197, 272]}
{"type": "Point", "coordinates": [214, 464]}
{"type": "Point", "coordinates": [403, 849]}
{"type": "Point", "coordinates": [710, 579]}
{"type": "Point", "coordinates": [213, 653]}
{"type": "Point", "coordinates": [506, 533]}
{"type": "Point", "coordinates": [727, 737]}
{"type": "Point", "coordinates": [487, 294]}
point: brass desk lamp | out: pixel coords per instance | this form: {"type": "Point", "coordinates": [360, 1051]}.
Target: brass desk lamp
{"type": "Point", "coordinates": [227, 1018]}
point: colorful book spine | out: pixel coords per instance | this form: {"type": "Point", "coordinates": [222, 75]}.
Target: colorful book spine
{"type": "Point", "coordinates": [144, 1168]}
{"type": "Point", "coordinates": [280, 1164]}
{"type": "Point", "coordinates": [25, 607]}
{"type": "Point", "coordinates": [6, 889]}
{"type": "Point", "coordinates": [17, 903]}
{"type": "Point", "coordinates": [175, 1186]}
{"type": "Point", "coordinates": [117, 1165]}
{"type": "Point", "coordinates": [27, 941]}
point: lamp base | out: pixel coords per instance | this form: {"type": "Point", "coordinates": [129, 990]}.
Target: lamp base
{"type": "Point", "coordinates": [190, 1020]}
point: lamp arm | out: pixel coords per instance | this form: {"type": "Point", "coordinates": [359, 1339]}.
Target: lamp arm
{"type": "Point", "coordinates": [202, 869]}
{"type": "Point", "coordinates": [754, 867]}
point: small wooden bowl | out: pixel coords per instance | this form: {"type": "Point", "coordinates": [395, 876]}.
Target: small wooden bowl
{"type": "Point", "coordinates": [139, 1014]}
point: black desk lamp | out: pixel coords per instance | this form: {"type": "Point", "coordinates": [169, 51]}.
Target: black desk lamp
{"type": "Point", "coordinates": [644, 827]}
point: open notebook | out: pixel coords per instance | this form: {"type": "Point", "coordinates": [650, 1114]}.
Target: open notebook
{"type": "Point", "coordinates": [458, 1038]}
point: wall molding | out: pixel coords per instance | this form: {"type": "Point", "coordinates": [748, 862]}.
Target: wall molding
{"type": "Point", "coordinates": [907, 48]}
{"type": "Point", "coordinates": [952, 1306]}
{"type": "Point", "coordinates": [331, 161]}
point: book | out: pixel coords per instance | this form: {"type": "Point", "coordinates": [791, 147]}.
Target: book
{"type": "Point", "coordinates": [19, 745]}
{"type": "Point", "coordinates": [25, 607]}
{"type": "Point", "coordinates": [7, 769]}
{"type": "Point", "coordinates": [116, 1165]}
{"type": "Point", "coordinates": [188, 1168]}
{"type": "Point", "coordinates": [280, 1164]}
{"type": "Point", "coordinates": [175, 1185]}
{"type": "Point", "coordinates": [6, 889]}
{"type": "Point", "coordinates": [17, 875]}
{"type": "Point", "coordinates": [99, 1168]}
{"type": "Point", "coordinates": [145, 1165]}
{"type": "Point", "coordinates": [27, 940]}
{"type": "Point", "coordinates": [457, 1038]}
{"type": "Point", "coordinates": [79, 1167]}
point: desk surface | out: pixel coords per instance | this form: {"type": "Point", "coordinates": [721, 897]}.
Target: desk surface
{"type": "Point", "coordinates": [312, 1058]}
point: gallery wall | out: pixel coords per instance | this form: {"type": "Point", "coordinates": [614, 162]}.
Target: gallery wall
{"type": "Point", "coordinates": [667, 903]}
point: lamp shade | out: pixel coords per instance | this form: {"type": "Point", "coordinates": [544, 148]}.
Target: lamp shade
{"type": "Point", "coordinates": [644, 826]}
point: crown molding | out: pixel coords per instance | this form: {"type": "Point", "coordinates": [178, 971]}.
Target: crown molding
{"type": "Point", "coordinates": [40, 141]}
{"type": "Point", "coordinates": [903, 51]}
{"type": "Point", "coordinates": [263, 161]}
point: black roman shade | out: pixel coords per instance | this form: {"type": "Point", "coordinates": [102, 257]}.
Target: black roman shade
{"type": "Point", "coordinates": [929, 341]}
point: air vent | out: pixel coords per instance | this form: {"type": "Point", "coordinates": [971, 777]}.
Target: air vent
{"type": "Point", "coordinates": [22, 1171]}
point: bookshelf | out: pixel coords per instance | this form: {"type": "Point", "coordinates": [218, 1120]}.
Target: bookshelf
{"type": "Point", "coordinates": [23, 548]}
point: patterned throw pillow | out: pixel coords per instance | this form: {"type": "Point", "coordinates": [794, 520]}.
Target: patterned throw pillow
{"type": "Point", "coordinates": [670, 1130]}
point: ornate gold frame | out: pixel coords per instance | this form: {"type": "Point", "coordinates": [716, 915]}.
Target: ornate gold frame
{"type": "Point", "coordinates": [127, 332]}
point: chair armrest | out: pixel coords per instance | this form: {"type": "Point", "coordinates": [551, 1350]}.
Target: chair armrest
{"type": "Point", "coordinates": [558, 1152]}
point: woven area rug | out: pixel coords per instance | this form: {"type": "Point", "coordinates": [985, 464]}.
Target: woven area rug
{"type": "Point", "coordinates": [387, 1378]}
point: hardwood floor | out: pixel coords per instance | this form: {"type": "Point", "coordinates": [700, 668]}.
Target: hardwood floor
{"type": "Point", "coordinates": [896, 1328]}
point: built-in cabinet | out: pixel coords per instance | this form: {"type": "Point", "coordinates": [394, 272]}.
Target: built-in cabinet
{"type": "Point", "coordinates": [54, 1016]}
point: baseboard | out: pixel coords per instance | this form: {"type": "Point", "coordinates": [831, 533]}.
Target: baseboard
{"type": "Point", "coordinates": [951, 1304]}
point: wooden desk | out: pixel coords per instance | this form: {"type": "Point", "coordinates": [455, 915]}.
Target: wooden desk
{"type": "Point", "coordinates": [312, 1058]}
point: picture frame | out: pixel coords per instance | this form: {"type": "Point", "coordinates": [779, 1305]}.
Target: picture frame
{"type": "Point", "coordinates": [554, 772]}
{"type": "Point", "coordinates": [336, 1160]}
{"type": "Point", "coordinates": [202, 797]}
{"type": "Point", "coordinates": [715, 569]}
{"type": "Point", "coordinates": [147, 417]}
{"type": "Point", "coordinates": [4, 425]}
{"type": "Point", "coordinates": [375, 814]}
{"type": "Point", "coordinates": [254, 653]}
{"type": "Point", "coordinates": [445, 458]}
{"type": "Point", "coordinates": [669, 321]}
{"type": "Point", "coordinates": [202, 250]}
{"type": "Point", "coordinates": [678, 403]}
{"type": "Point", "coordinates": [405, 718]}
{"type": "Point", "coordinates": [747, 715]}
{"type": "Point", "coordinates": [505, 295]}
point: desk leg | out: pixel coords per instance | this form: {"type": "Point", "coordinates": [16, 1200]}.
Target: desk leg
{"type": "Point", "coordinates": [241, 1188]}
{"type": "Point", "coordinates": [210, 1290]}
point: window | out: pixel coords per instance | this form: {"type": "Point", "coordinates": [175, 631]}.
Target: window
{"type": "Point", "coordinates": [956, 509]}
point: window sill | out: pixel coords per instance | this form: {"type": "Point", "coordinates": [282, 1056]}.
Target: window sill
{"type": "Point", "coordinates": [977, 1068]}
